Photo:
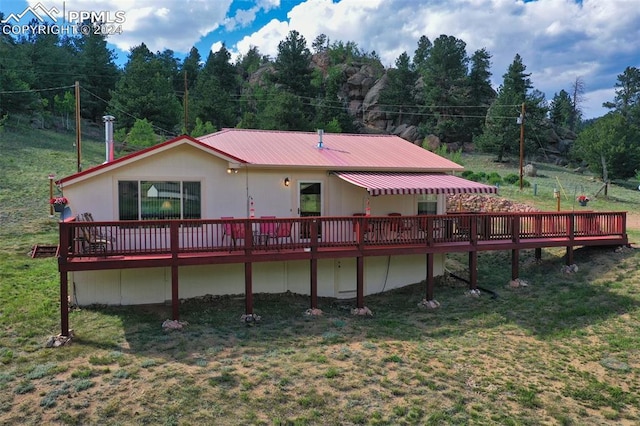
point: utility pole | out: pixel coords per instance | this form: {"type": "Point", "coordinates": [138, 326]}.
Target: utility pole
{"type": "Point", "coordinates": [186, 103]}
{"type": "Point", "coordinates": [78, 138]}
{"type": "Point", "coordinates": [521, 121]}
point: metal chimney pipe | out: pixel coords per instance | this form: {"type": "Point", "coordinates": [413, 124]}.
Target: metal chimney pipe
{"type": "Point", "coordinates": [320, 133]}
{"type": "Point", "coordinates": [108, 137]}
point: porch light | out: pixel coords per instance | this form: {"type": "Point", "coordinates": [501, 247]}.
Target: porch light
{"type": "Point", "coordinates": [287, 182]}
{"type": "Point", "coordinates": [230, 170]}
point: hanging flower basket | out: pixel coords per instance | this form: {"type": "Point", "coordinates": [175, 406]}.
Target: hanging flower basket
{"type": "Point", "coordinates": [58, 203]}
{"type": "Point", "coordinates": [582, 200]}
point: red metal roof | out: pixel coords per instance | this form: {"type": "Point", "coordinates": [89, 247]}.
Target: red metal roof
{"type": "Point", "coordinates": [382, 183]}
{"type": "Point", "coordinates": [272, 148]}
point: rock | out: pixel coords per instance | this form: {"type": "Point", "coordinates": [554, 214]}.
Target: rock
{"type": "Point", "coordinates": [361, 311]}
{"type": "Point", "coordinates": [478, 203]}
{"type": "Point", "coordinates": [429, 304]}
{"type": "Point", "coordinates": [410, 133]}
{"type": "Point", "coordinates": [530, 170]}
{"type": "Point", "coordinates": [432, 142]}
{"type": "Point", "coordinates": [453, 147]}
{"type": "Point", "coordinates": [468, 147]}
{"type": "Point", "coordinates": [173, 325]}
{"type": "Point", "coordinates": [373, 94]}
{"type": "Point", "coordinates": [473, 293]}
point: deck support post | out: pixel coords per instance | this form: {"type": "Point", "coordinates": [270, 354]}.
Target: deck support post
{"type": "Point", "coordinates": [248, 289]}
{"type": "Point", "coordinates": [175, 295]}
{"type": "Point", "coordinates": [175, 298]}
{"type": "Point", "coordinates": [64, 304]}
{"type": "Point", "coordinates": [314, 282]}
{"type": "Point", "coordinates": [360, 282]}
{"type": "Point", "coordinates": [569, 257]}
{"type": "Point", "coordinates": [473, 270]}
{"type": "Point", "coordinates": [515, 260]}
{"type": "Point", "coordinates": [315, 226]}
{"type": "Point", "coordinates": [430, 280]}
{"type": "Point", "coordinates": [538, 254]}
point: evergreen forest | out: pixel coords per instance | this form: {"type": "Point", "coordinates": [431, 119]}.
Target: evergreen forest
{"type": "Point", "coordinates": [440, 90]}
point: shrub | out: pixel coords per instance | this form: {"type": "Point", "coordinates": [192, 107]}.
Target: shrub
{"type": "Point", "coordinates": [511, 178]}
{"type": "Point", "coordinates": [494, 178]}
{"type": "Point", "coordinates": [514, 179]}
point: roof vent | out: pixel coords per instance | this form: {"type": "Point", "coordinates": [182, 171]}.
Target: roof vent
{"type": "Point", "coordinates": [320, 133]}
{"type": "Point", "coordinates": [108, 137]}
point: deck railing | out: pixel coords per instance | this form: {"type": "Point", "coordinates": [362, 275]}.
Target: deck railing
{"type": "Point", "coordinates": [131, 238]}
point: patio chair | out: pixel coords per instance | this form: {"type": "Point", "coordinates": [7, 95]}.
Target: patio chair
{"type": "Point", "coordinates": [283, 232]}
{"type": "Point", "coordinates": [234, 231]}
{"type": "Point", "coordinates": [267, 230]}
{"type": "Point", "coordinates": [397, 225]}
{"type": "Point", "coordinates": [368, 232]}
{"type": "Point", "coordinates": [437, 227]}
{"type": "Point", "coordinates": [92, 240]}
{"type": "Point", "coordinates": [226, 228]}
{"type": "Point", "coordinates": [237, 233]}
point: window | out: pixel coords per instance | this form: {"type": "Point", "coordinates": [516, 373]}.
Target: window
{"type": "Point", "coordinates": [428, 204]}
{"type": "Point", "coordinates": [140, 200]}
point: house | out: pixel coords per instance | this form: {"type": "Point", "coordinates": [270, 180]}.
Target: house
{"type": "Point", "coordinates": [236, 173]}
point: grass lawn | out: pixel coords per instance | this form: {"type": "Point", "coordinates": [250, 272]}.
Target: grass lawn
{"type": "Point", "coordinates": [563, 350]}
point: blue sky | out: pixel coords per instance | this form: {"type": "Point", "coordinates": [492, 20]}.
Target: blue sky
{"type": "Point", "coordinates": [559, 40]}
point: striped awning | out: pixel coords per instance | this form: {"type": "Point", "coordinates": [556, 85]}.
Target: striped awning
{"type": "Point", "coordinates": [398, 183]}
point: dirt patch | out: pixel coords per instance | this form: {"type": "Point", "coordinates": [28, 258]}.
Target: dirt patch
{"type": "Point", "coordinates": [633, 221]}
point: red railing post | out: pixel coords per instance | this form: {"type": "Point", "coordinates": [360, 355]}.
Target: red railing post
{"type": "Point", "coordinates": [473, 229]}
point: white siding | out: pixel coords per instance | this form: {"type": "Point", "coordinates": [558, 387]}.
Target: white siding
{"type": "Point", "coordinates": [225, 194]}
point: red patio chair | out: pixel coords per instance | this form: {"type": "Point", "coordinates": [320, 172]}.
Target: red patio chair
{"type": "Point", "coordinates": [283, 232]}
{"type": "Point", "coordinates": [398, 225]}
{"type": "Point", "coordinates": [235, 231]}
{"type": "Point", "coordinates": [268, 228]}
{"type": "Point", "coordinates": [368, 232]}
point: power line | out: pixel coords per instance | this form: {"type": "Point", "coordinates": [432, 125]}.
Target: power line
{"type": "Point", "coordinates": [10, 92]}
{"type": "Point", "coordinates": [128, 114]}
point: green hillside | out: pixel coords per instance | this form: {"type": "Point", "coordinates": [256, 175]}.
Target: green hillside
{"type": "Point", "coordinates": [27, 157]}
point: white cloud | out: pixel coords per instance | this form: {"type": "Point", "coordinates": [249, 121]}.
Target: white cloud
{"type": "Point", "coordinates": [559, 40]}
{"type": "Point", "coordinates": [266, 39]}
{"type": "Point", "coordinates": [245, 17]}
{"type": "Point", "coordinates": [167, 24]}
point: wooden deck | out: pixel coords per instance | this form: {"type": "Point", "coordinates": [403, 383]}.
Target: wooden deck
{"type": "Point", "coordinates": [88, 246]}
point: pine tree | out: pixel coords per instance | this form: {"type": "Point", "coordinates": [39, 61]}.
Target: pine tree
{"type": "Point", "coordinates": [627, 100]}
{"type": "Point", "coordinates": [97, 72]}
{"type": "Point", "coordinates": [216, 91]}
{"type": "Point", "coordinates": [502, 129]}
{"type": "Point", "coordinates": [145, 92]}
{"type": "Point", "coordinates": [481, 94]}
{"type": "Point", "coordinates": [293, 65]}
{"type": "Point", "coordinates": [561, 111]}
{"type": "Point", "coordinates": [444, 74]}
{"type": "Point", "coordinates": [398, 98]}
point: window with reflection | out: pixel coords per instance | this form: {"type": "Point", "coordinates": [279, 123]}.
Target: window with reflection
{"type": "Point", "coordinates": [148, 200]}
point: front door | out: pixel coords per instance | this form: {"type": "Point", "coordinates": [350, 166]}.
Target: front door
{"type": "Point", "coordinates": [310, 204]}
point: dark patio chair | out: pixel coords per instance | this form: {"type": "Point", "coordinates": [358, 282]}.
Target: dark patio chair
{"type": "Point", "coordinates": [398, 226]}
{"type": "Point", "coordinates": [92, 239]}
